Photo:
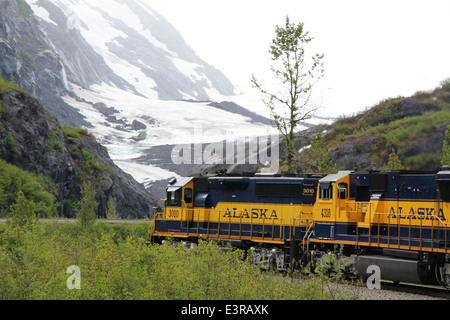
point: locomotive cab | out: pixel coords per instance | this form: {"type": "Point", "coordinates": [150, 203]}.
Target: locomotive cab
{"type": "Point", "coordinates": [177, 211]}
{"type": "Point", "coordinates": [179, 199]}
{"type": "Point", "coordinates": [332, 204]}
{"type": "Point", "coordinates": [180, 193]}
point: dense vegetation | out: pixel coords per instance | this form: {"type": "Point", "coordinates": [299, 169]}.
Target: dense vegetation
{"type": "Point", "coordinates": [115, 263]}
{"type": "Point", "coordinates": [7, 86]}
{"type": "Point", "coordinates": [37, 189]}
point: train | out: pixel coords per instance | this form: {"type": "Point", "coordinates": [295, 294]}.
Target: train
{"type": "Point", "coordinates": [396, 220]}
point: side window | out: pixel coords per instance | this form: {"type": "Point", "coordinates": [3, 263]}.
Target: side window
{"type": "Point", "coordinates": [188, 195]}
{"type": "Point", "coordinates": [326, 191]}
{"type": "Point", "coordinates": [342, 187]}
{"type": "Point", "coordinates": [173, 197]}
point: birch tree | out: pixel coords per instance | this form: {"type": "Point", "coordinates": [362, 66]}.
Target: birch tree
{"type": "Point", "coordinates": [295, 74]}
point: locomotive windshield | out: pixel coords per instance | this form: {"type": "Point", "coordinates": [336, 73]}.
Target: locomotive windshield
{"type": "Point", "coordinates": [326, 191]}
{"type": "Point", "coordinates": [174, 196]}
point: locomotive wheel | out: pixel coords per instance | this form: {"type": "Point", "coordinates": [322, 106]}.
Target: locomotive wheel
{"type": "Point", "coordinates": [350, 273]}
{"type": "Point", "coordinates": [441, 277]}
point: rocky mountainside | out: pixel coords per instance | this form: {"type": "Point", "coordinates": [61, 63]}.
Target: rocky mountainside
{"type": "Point", "coordinates": [52, 48]}
{"type": "Point", "coordinates": [28, 55]}
{"type": "Point", "coordinates": [33, 139]}
{"type": "Point", "coordinates": [122, 71]}
{"type": "Point", "coordinates": [412, 127]}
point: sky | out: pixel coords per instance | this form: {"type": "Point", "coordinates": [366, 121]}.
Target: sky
{"type": "Point", "coordinates": [373, 49]}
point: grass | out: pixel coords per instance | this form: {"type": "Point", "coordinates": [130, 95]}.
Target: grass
{"type": "Point", "coordinates": [8, 86]}
{"type": "Point", "coordinates": [76, 133]}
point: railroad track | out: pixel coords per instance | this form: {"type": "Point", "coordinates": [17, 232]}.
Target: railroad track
{"type": "Point", "coordinates": [390, 290]}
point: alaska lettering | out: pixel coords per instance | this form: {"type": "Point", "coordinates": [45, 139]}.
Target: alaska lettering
{"type": "Point", "coordinates": [255, 213]}
{"type": "Point", "coordinates": [419, 213]}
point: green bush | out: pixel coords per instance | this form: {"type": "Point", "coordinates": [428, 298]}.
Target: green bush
{"type": "Point", "coordinates": [14, 180]}
{"type": "Point", "coordinates": [11, 143]}
{"type": "Point", "coordinates": [75, 133]}
{"type": "Point", "coordinates": [115, 263]}
{"type": "Point", "coordinates": [445, 84]}
{"type": "Point", "coordinates": [90, 165]}
{"type": "Point", "coordinates": [54, 145]}
{"type": "Point", "coordinates": [7, 86]}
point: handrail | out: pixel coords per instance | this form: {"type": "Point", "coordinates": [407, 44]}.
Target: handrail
{"type": "Point", "coordinates": [307, 236]}
{"type": "Point", "coordinates": [279, 222]}
{"type": "Point", "coordinates": [436, 222]}
{"type": "Point", "coordinates": [370, 218]}
{"type": "Point", "coordinates": [156, 208]}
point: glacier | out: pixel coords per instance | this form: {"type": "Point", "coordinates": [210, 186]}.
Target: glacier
{"type": "Point", "coordinates": [154, 80]}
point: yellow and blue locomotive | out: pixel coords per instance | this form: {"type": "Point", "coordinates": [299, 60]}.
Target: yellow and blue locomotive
{"type": "Point", "coordinates": [268, 214]}
{"type": "Point", "coordinates": [396, 220]}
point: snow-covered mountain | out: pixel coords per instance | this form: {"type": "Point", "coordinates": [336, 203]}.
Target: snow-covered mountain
{"type": "Point", "coordinates": [136, 43]}
{"type": "Point", "coordinates": [135, 82]}
{"type": "Point", "coordinates": [122, 70]}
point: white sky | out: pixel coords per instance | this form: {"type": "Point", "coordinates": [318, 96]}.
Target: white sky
{"type": "Point", "coordinates": [373, 49]}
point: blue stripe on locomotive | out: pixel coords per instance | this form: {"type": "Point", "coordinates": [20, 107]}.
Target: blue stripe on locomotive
{"type": "Point", "coordinates": [394, 185]}
{"type": "Point", "coordinates": [383, 234]}
{"type": "Point", "coordinates": [244, 190]}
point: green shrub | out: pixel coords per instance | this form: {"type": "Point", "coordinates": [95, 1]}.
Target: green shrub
{"type": "Point", "coordinates": [14, 180]}
{"type": "Point", "coordinates": [344, 129]}
{"type": "Point", "coordinates": [54, 145]}
{"type": "Point", "coordinates": [445, 84]}
{"type": "Point", "coordinates": [76, 133]}
{"type": "Point", "coordinates": [115, 263]}
{"type": "Point", "coordinates": [87, 207]}
{"type": "Point", "coordinates": [90, 165]}
{"type": "Point", "coordinates": [11, 143]}
{"type": "Point", "coordinates": [22, 211]}
{"type": "Point", "coordinates": [424, 161]}
{"type": "Point", "coordinates": [7, 86]}
{"type": "Point", "coordinates": [24, 9]}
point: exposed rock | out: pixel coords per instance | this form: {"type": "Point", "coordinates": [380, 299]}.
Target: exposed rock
{"type": "Point", "coordinates": [137, 125]}
{"type": "Point", "coordinates": [446, 97]}
{"type": "Point", "coordinates": [234, 108]}
{"type": "Point", "coordinates": [356, 155]}
{"type": "Point", "coordinates": [28, 56]}
{"type": "Point", "coordinates": [409, 107]}
{"type": "Point", "coordinates": [33, 139]}
{"type": "Point", "coordinates": [141, 136]}
{"type": "Point", "coordinates": [104, 109]}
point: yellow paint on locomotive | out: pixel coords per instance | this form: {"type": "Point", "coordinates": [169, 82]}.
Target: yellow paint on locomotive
{"type": "Point", "coordinates": [332, 200]}
{"type": "Point", "coordinates": [408, 212]}
{"type": "Point", "coordinates": [334, 205]}
{"type": "Point", "coordinates": [237, 213]}
{"type": "Point", "coordinates": [278, 214]}
{"type": "Point", "coordinates": [269, 215]}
